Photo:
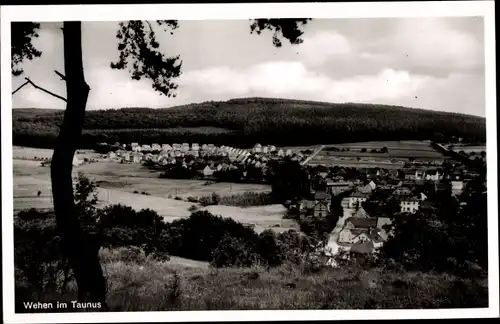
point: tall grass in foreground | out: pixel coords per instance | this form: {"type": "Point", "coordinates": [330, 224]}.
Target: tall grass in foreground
{"type": "Point", "coordinates": [138, 283]}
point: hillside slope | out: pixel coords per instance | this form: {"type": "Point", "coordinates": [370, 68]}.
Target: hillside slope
{"type": "Point", "coordinates": [243, 122]}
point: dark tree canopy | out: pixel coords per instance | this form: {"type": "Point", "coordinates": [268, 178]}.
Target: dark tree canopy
{"type": "Point", "coordinates": [289, 29]}
{"type": "Point", "coordinates": [140, 54]}
{"type": "Point", "coordinates": [22, 49]}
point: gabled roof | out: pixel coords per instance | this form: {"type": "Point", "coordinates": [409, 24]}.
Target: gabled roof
{"type": "Point", "coordinates": [320, 195]}
{"type": "Point", "coordinates": [323, 174]}
{"type": "Point", "coordinates": [427, 204]}
{"type": "Point", "coordinates": [402, 191]}
{"type": "Point", "coordinates": [362, 222]}
{"type": "Point", "coordinates": [363, 248]}
{"type": "Point", "coordinates": [359, 194]}
{"type": "Point", "coordinates": [309, 204]}
{"type": "Point", "coordinates": [441, 186]}
{"type": "Point", "coordinates": [381, 221]}
{"type": "Point", "coordinates": [361, 213]}
{"type": "Point", "coordinates": [378, 235]}
{"type": "Point", "coordinates": [410, 199]}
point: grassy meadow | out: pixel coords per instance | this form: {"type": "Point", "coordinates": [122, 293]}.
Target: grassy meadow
{"type": "Point", "coordinates": [141, 284]}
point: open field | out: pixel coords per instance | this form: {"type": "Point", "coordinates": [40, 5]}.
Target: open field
{"type": "Point", "coordinates": [117, 183]}
{"type": "Point", "coordinates": [21, 152]}
{"type": "Point", "coordinates": [469, 148]}
{"type": "Point", "coordinates": [354, 163]}
{"type": "Point", "coordinates": [398, 153]}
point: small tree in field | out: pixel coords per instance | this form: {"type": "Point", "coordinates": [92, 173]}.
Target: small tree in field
{"type": "Point", "coordinates": [85, 198]}
{"type": "Point", "coordinates": [138, 52]}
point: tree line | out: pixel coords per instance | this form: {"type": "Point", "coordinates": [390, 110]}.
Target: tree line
{"type": "Point", "coordinates": [244, 122]}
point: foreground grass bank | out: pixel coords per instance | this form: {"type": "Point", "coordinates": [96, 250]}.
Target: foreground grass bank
{"type": "Point", "coordinates": [137, 283]}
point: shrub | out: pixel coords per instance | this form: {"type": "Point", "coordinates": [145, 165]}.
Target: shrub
{"type": "Point", "coordinates": [248, 199]}
{"type": "Point", "coordinates": [193, 208]}
{"type": "Point", "coordinates": [269, 249]}
{"type": "Point", "coordinates": [37, 251]}
{"type": "Point", "coordinates": [192, 199]}
{"type": "Point", "coordinates": [197, 236]}
{"type": "Point", "coordinates": [177, 198]}
{"type": "Point", "coordinates": [233, 252]}
{"type": "Point", "coordinates": [213, 199]}
{"type": "Point", "coordinates": [85, 199]}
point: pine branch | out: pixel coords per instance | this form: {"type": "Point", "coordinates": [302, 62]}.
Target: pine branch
{"type": "Point", "coordinates": [45, 90]}
{"type": "Point", "coordinates": [60, 75]}
{"type": "Point", "coordinates": [20, 87]}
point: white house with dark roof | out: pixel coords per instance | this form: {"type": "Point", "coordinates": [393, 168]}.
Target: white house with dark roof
{"type": "Point", "coordinates": [185, 147]}
{"type": "Point", "coordinates": [135, 157]}
{"type": "Point", "coordinates": [433, 175]}
{"type": "Point", "coordinates": [319, 207]}
{"type": "Point", "coordinates": [457, 187]}
{"type": "Point", "coordinates": [135, 147]}
{"type": "Point", "coordinates": [409, 205]}
{"type": "Point", "coordinates": [354, 227]}
{"type": "Point", "coordinates": [357, 198]}
{"type": "Point", "coordinates": [257, 148]}
{"type": "Point", "coordinates": [402, 192]}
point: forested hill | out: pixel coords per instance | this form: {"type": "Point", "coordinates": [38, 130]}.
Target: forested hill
{"type": "Point", "coordinates": [244, 122]}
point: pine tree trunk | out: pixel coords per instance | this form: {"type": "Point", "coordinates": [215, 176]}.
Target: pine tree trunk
{"type": "Point", "coordinates": [80, 248]}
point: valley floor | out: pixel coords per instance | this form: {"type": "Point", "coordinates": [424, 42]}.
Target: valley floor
{"type": "Point", "coordinates": [124, 183]}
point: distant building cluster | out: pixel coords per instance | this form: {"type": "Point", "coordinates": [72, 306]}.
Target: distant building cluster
{"type": "Point", "coordinates": [205, 159]}
{"type": "Point", "coordinates": [169, 154]}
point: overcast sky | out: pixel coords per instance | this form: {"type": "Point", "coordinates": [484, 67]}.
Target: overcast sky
{"type": "Point", "coordinates": [430, 63]}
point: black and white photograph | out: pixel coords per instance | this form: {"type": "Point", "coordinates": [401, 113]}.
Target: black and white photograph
{"type": "Point", "coordinates": [175, 162]}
